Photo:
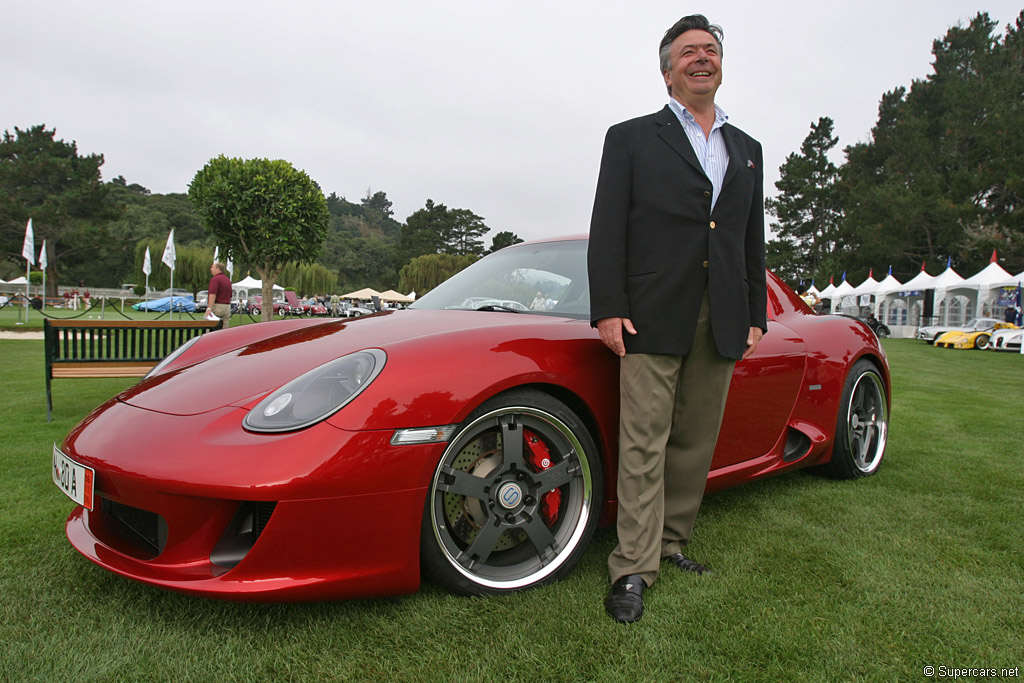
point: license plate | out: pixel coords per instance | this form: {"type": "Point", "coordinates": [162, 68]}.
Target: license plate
{"type": "Point", "coordinates": [74, 480]}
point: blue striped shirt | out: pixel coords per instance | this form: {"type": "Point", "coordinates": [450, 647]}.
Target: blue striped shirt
{"type": "Point", "coordinates": [710, 151]}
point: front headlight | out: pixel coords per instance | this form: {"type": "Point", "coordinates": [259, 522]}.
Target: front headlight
{"type": "Point", "coordinates": [316, 395]}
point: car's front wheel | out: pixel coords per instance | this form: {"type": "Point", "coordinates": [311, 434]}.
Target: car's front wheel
{"type": "Point", "coordinates": [982, 342]}
{"type": "Point", "coordinates": [515, 499]}
{"type": "Point", "coordinates": [863, 424]}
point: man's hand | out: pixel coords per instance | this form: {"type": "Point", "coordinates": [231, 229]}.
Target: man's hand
{"type": "Point", "coordinates": [611, 333]}
{"type": "Point", "coordinates": [753, 338]}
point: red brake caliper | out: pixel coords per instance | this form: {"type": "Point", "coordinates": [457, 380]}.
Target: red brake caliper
{"type": "Point", "coordinates": [539, 458]}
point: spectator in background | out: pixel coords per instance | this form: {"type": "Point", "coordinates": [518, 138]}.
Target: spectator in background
{"type": "Point", "coordinates": [218, 297]}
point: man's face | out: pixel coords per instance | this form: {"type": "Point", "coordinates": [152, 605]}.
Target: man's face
{"type": "Point", "coordinates": [213, 270]}
{"type": "Point", "coordinates": [696, 69]}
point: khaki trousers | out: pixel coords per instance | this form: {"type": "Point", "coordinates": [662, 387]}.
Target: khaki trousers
{"type": "Point", "coordinates": [671, 411]}
{"type": "Point", "coordinates": [222, 311]}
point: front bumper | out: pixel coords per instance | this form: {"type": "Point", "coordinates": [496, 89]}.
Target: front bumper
{"type": "Point", "coordinates": [335, 514]}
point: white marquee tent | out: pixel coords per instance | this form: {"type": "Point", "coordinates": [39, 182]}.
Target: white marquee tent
{"type": "Point", "coordinates": [901, 306]}
{"type": "Point", "coordinates": [243, 287]}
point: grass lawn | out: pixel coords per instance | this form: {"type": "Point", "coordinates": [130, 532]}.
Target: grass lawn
{"type": "Point", "coordinates": [816, 580]}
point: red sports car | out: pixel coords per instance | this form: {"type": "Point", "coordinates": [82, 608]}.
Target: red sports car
{"type": "Point", "coordinates": [472, 435]}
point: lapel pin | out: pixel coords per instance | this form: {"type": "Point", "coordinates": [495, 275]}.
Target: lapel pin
{"type": "Point", "coordinates": [750, 164]}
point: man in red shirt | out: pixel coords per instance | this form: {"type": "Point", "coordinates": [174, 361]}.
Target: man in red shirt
{"type": "Point", "coordinates": [218, 298]}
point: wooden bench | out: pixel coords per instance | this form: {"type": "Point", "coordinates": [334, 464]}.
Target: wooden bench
{"type": "Point", "coordinates": [112, 348]}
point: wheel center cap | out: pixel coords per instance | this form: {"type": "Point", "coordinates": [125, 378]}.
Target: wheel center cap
{"type": "Point", "coordinates": [510, 495]}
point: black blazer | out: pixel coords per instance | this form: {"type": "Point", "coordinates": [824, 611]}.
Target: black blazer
{"type": "Point", "coordinates": [655, 242]}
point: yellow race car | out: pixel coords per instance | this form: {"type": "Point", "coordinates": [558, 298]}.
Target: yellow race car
{"type": "Point", "coordinates": [971, 339]}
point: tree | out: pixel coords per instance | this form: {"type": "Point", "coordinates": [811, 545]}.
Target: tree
{"type": "Point", "coordinates": [45, 179]}
{"type": "Point", "coordinates": [463, 233]}
{"type": "Point", "coordinates": [378, 201]}
{"type": "Point", "coordinates": [942, 173]}
{"type": "Point", "coordinates": [425, 272]}
{"type": "Point", "coordinates": [504, 239]}
{"type": "Point", "coordinates": [421, 233]}
{"type": "Point", "coordinates": [308, 280]}
{"type": "Point", "coordinates": [265, 212]}
{"type": "Point", "coordinates": [807, 208]}
{"type": "Point", "coordinates": [436, 229]}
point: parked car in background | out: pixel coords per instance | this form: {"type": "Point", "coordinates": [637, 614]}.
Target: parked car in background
{"type": "Point", "coordinates": [1007, 339]}
{"type": "Point", "coordinates": [256, 306]}
{"type": "Point", "coordinates": [348, 310]}
{"type": "Point", "coordinates": [877, 326]}
{"type": "Point", "coordinates": [467, 436]}
{"type": "Point", "coordinates": [931, 333]}
{"type": "Point", "coordinates": [970, 339]}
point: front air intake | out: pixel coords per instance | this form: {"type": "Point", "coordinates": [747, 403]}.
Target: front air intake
{"type": "Point", "coordinates": [241, 534]}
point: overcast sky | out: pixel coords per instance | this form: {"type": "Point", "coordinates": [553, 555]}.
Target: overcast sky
{"type": "Point", "coordinates": [495, 106]}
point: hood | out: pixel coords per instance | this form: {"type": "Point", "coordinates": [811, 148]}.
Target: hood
{"type": "Point", "coordinates": [241, 376]}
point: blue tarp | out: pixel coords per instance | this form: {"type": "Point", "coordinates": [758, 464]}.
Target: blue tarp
{"type": "Point", "coordinates": [181, 303]}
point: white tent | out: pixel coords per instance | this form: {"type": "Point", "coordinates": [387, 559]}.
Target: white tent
{"type": "Point", "coordinates": [848, 299]}
{"type": "Point", "coordinates": [889, 310]}
{"type": "Point", "coordinates": [20, 280]}
{"type": "Point", "coordinates": [249, 283]}
{"type": "Point", "coordinates": [839, 293]}
{"type": "Point", "coordinates": [981, 290]}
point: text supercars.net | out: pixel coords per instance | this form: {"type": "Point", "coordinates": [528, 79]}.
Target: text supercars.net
{"type": "Point", "coordinates": [956, 672]}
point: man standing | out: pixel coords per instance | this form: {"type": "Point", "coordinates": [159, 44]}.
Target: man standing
{"type": "Point", "coordinates": [678, 291]}
{"type": "Point", "coordinates": [218, 297]}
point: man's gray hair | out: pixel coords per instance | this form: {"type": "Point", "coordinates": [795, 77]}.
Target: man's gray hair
{"type": "Point", "coordinates": [693, 22]}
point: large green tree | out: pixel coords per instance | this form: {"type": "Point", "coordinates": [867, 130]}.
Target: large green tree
{"type": "Point", "coordinates": [942, 174]}
{"type": "Point", "coordinates": [436, 229]}
{"type": "Point", "coordinates": [47, 180]}
{"type": "Point", "coordinates": [807, 228]}
{"type": "Point", "coordinates": [264, 212]}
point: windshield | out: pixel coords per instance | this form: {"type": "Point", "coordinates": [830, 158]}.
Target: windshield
{"type": "Point", "coordinates": [549, 278]}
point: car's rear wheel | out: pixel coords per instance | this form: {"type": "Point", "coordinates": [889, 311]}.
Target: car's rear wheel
{"type": "Point", "coordinates": [863, 424]}
{"type": "Point", "coordinates": [515, 499]}
{"type": "Point", "coordinates": [981, 342]}
{"type": "Point", "coordinates": [882, 332]}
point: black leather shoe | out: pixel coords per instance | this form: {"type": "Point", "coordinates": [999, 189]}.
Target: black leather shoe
{"type": "Point", "coordinates": [625, 603]}
{"type": "Point", "coordinates": [687, 565]}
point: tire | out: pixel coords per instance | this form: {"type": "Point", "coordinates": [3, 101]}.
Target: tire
{"type": "Point", "coordinates": [862, 427]}
{"type": "Point", "coordinates": [981, 342]}
{"type": "Point", "coordinates": [488, 527]}
{"type": "Point", "coordinates": [256, 310]}
{"type": "Point", "coordinates": [882, 332]}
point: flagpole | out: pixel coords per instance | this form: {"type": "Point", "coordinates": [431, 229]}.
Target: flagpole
{"type": "Point", "coordinates": [28, 293]}
{"type": "Point", "coordinates": [42, 264]}
{"type": "Point", "coordinates": [28, 252]}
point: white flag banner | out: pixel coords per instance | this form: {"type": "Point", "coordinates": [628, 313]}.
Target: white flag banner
{"type": "Point", "coordinates": [28, 247]}
{"type": "Point", "coordinates": [230, 267]}
{"type": "Point", "coordinates": [168, 256]}
{"type": "Point", "coordinates": [42, 256]}
{"type": "Point", "coordinates": [216, 254]}
{"type": "Point", "coordinates": [147, 265]}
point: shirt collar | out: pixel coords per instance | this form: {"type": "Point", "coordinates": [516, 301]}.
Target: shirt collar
{"type": "Point", "coordinates": [685, 117]}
